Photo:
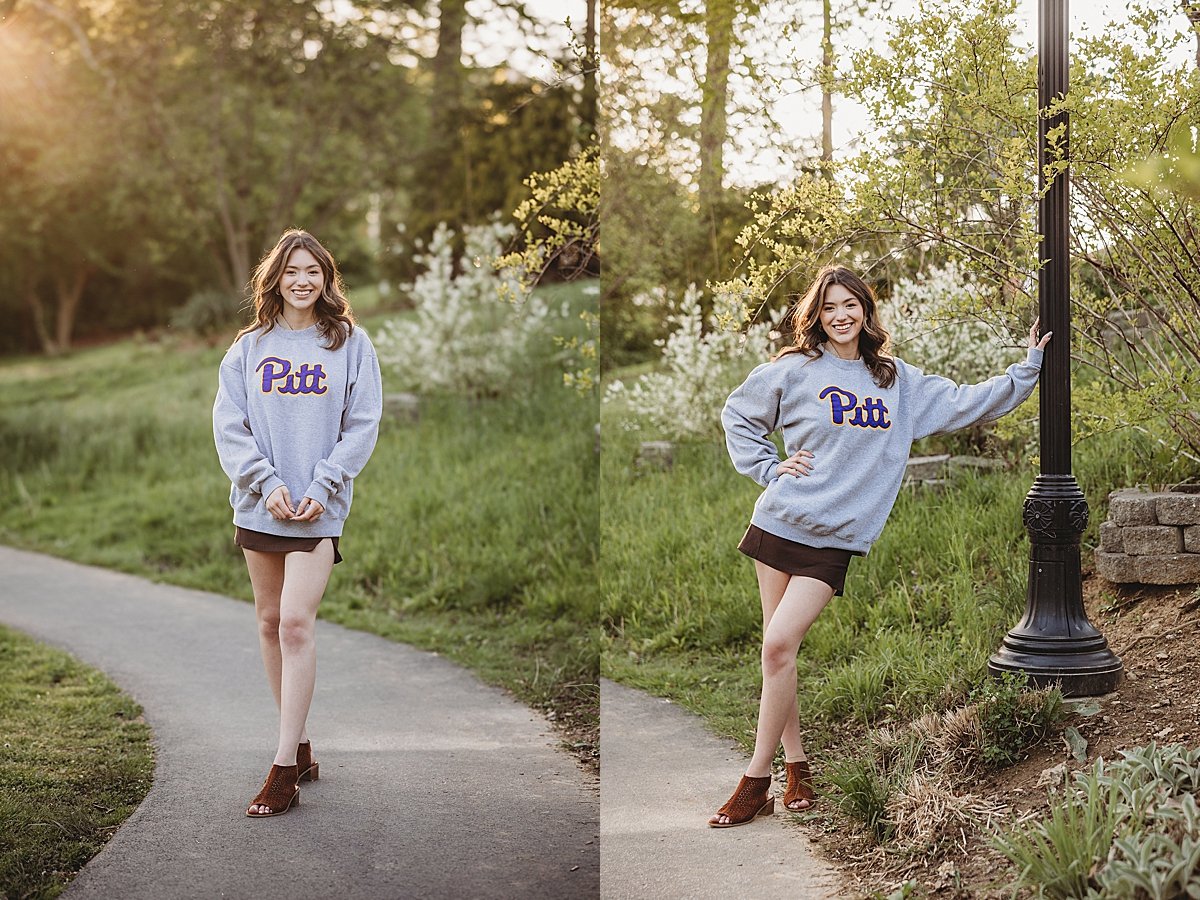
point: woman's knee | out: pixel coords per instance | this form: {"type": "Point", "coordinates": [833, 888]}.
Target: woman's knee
{"type": "Point", "coordinates": [296, 631]}
{"type": "Point", "coordinates": [268, 625]}
{"type": "Point", "coordinates": [777, 656]}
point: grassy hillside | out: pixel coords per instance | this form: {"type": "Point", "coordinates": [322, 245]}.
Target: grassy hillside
{"type": "Point", "coordinates": [908, 642]}
{"type": "Point", "coordinates": [474, 531]}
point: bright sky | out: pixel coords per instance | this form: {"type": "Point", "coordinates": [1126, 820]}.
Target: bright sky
{"type": "Point", "coordinates": [800, 114]}
{"type": "Point", "coordinates": [497, 40]}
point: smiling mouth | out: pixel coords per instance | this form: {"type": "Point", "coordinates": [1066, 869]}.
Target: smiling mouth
{"type": "Point", "coordinates": [301, 294]}
{"type": "Point", "coordinates": [843, 328]}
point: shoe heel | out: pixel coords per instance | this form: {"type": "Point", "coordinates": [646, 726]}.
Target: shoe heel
{"type": "Point", "coordinates": [768, 808]}
{"type": "Point", "coordinates": [314, 773]}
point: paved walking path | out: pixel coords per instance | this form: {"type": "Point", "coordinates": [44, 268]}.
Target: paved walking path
{"type": "Point", "coordinates": [432, 784]}
{"type": "Point", "coordinates": [663, 775]}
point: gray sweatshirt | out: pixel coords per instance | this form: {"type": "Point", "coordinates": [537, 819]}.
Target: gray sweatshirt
{"type": "Point", "coordinates": [289, 411]}
{"type": "Point", "coordinates": [859, 435]}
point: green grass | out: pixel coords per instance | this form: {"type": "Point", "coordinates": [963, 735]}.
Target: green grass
{"type": "Point", "coordinates": [920, 616]}
{"type": "Point", "coordinates": [75, 761]}
{"type": "Point", "coordinates": [474, 531]}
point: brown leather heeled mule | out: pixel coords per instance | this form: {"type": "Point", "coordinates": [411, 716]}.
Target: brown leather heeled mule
{"type": "Point", "coordinates": [308, 769]}
{"type": "Point", "coordinates": [799, 786]}
{"type": "Point", "coordinates": [278, 793]}
{"type": "Point", "coordinates": [751, 799]}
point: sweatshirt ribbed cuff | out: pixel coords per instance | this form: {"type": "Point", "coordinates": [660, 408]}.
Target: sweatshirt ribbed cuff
{"type": "Point", "coordinates": [320, 493]}
{"type": "Point", "coordinates": [271, 485]}
{"type": "Point", "coordinates": [1035, 357]}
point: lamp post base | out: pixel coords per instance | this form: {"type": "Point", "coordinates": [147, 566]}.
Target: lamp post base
{"type": "Point", "coordinates": [1054, 643]}
{"type": "Point", "coordinates": [1076, 674]}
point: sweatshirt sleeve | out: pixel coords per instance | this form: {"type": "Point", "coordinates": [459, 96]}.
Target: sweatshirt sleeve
{"type": "Point", "coordinates": [938, 405]}
{"type": "Point", "coordinates": [360, 428]}
{"type": "Point", "coordinates": [237, 448]}
{"type": "Point", "coordinates": [750, 415]}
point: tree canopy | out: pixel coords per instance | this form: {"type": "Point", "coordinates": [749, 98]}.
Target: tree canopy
{"type": "Point", "coordinates": [150, 151]}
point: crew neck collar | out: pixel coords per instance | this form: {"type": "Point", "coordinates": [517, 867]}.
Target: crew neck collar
{"type": "Point", "coordinates": [282, 328]}
{"type": "Point", "coordinates": [827, 352]}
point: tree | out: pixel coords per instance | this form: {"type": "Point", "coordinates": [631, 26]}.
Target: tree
{"type": "Point", "coordinates": [1191, 9]}
{"type": "Point", "coordinates": [714, 104]}
{"type": "Point", "coordinates": [61, 151]}
{"type": "Point", "coordinates": [955, 178]}
{"type": "Point", "coordinates": [259, 125]}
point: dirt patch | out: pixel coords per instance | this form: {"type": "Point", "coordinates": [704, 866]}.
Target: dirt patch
{"type": "Point", "coordinates": [575, 715]}
{"type": "Point", "coordinates": [1154, 631]}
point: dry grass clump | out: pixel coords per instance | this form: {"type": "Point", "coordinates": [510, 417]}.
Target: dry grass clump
{"type": "Point", "coordinates": [907, 788]}
{"type": "Point", "coordinates": [926, 813]}
{"type": "Point", "coordinates": [958, 744]}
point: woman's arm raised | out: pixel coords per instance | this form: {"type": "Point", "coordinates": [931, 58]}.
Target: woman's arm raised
{"type": "Point", "coordinates": [938, 405]}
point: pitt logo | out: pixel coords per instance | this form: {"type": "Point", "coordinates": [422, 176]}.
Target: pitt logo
{"type": "Point", "coordinates": [871, 413]}
{"type": "Point", "coordinates": [305, 380]}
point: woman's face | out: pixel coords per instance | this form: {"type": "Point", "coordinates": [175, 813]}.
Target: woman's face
{"type": "Point", "coordinates": [301, 282]}
{"type": "Point", "coordinates": [842, 317]}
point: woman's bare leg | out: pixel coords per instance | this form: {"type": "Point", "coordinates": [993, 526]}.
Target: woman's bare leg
{"type": "Point", "coordinates": [771, 585]}
{"type": "Point", "coordinates": [801, 603]}
{"type": "Point", "coordinates": [266, 578]}
{"type": "Point", "coordinates": [287, 590]}
{"type": "Point", "coordinates": [305, 577]}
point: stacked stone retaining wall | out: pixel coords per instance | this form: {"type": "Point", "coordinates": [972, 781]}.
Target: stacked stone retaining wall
{"type": "Point", "coordinates": [1151, 537]}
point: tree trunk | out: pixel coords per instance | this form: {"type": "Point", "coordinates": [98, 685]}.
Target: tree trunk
{"type": "Point", "coordinates": [591, 62]}
{"type": "Point", "coordinates": [718, 29]}
{"type": "Point", "coordinates": [37, 310]}
{"type": "Point", "coordinates": [447, 159]}
{"type": "Point", "coordinates": [69, 290]}
{"type": "Point", "coordinates": [826, 82]}
{"type": "Point", "coordinates": [1191, 8]}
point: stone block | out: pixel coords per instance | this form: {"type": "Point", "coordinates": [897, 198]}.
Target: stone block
{"type": "Point", "coordinates": [1132, 507]}
{"type": "Point", "coordinates": [928, 485]}
{"type": "Point", "coordinates": [402, 407]}
{"type": "Point", "coordinates": [1191, 539]}
{"type": "Point", "coordinates": [976, 463]}
{"type": "Point", "coordinates": [1116, 567]}
{"type": "Point", "coordinates": [1177, 568]}
{"type": "Point", "coordinates": [923, 468]}
{"type": "Point", "coordinates": [1178, 509]}
{"type": "Point", "coordinates": [1110, 538]}
{"type": "Point", "coordinates": [1150, 540]}
{"type": "Point", "coordinates": [655, 455]}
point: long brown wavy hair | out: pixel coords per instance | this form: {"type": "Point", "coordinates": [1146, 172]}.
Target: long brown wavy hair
{"type": "Point", "coordinates": [335, 320]}
{"type": "Point", "coordinates": [874, 343]}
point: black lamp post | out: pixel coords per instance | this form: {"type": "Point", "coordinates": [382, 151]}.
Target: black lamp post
{"type": "Point", "coordinates": [1054, 643]}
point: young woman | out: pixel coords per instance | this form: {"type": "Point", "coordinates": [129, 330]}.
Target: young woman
{"type": "Point", "coordinates": [849, 413]}
{"type": "Point", "coordinates": [295, 420]}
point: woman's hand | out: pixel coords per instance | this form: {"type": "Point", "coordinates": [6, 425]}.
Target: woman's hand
{"type": "Point", "coordinates": [796, 464]}
{"type": "Point", "coordinates": [1033, 339]}
{"type": "Point", "coordinates": [308, 510]}
{"type": "Point", "coordinates": [279, 504]}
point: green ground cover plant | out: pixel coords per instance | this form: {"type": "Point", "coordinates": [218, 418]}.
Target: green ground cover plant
{"type": "Point", "coordinates": [75, 761]}
{"type": "Point", "coordinates": [474, 530]}
{"type": "Point", "coordinates": [1126, 828]}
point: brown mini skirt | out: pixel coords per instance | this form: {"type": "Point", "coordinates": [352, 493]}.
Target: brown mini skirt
{"type": "Point", "coordinates": [827, 564]}
{"type": "Point", "coordinates": [276, 543]}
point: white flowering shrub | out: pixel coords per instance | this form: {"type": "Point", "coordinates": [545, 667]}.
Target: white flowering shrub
{"type": "Point", "coordinates": [702, 362]}
{"type": "Point", "coordinates": [464, 337]}
{"type": "Point", "coordinates": [929, 330]}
